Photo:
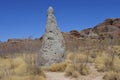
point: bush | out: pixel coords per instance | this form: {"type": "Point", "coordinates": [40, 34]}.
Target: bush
{"type": "Point", "coordinates": [80, 58]}
{"type": "Point", "coordinates": [19, 66]}
{"type": "Point", "coordinates": [111, 75]}
{"type": "Point", "coordinates": [77, 65]}
{"type": "Point", "coordinates": [77, 69]}
{"type": "Point", "coordinates": [75, 74]}
{"type": "Point", "coordinates": [69, 70]}
{"type": "Point", "coordinates": [58, 67]}
{"type": "Point", "coordinates": [117, 50]}
{"type": "Point", "coordinates": [84, 69]}
{"type": "Point", "coordinates": [116, 64]}
{"type": "Point", "coordinates": [34, 70]}
{"type": "Point", "coordinates": [69, 56]}
{"type": "Point", "coordinates": [102, 62]}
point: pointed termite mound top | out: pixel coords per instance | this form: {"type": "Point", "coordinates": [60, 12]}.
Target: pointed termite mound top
{"type": "Point", "coordinates": [53, 47]}
{"type": "Point", "coordinates": [50, 10]}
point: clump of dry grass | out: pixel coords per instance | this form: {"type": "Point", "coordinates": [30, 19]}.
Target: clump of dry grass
{"type": "Point", "coordinates": [18, 69]}
{"type": "Point", "coordinates": [77, 65]}
{"type": "Point", "coordinates": [111, 75]}
{"type": "Point", "coordinates": [117, 50]}
{"type": "Point", "coordinates": [116, 64]}
{"type": "Point", "coordinates": [74, 71]}
{"type": "Point", "coordinates": [76, 57]}
{"type": "Point", "coordinates": [104, 63]}
{"type": "Point", "coordinates": [101, 62]}
{"type": "Point", "coordinates": [69, 70]}
{"type": "Point", "coordinates": [57, 67]}
{"type": "Point", "coordinates": [84, 69]}
{"type": "Point", "coordinates": [75, 74]}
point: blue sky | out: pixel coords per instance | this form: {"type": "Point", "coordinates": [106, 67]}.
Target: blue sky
{"type": "Point", "coordinates": [24, 18]}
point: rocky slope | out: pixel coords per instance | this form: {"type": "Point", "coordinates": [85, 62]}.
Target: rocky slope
{"type": "Point", "coordinates": [110, 27]}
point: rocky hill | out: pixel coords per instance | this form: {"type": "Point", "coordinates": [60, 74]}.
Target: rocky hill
{"type": "Point", "coordinates": [108, 29]}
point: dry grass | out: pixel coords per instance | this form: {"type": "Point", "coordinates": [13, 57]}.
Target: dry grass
{"type": "Point", "coordinates": [101, 62]}
{"type": "Point", "coordinates": [69, 70]}
{"type": "Point", "coordinates": [111, 75]}
{"type": "Point", "coordinates": [104, 62]}
{"type": "Point", "coordinates": [116, 64]}
{"type": "Point", "coordinates": [109, 63]}
{"type": "Point", "coordinates": [75, 74]}
{"type": "Point", "coordinates": [30, 77]}
{"type": "Point", "coordinates": [76, 65]}
{"type": "Point", "coordinates": [84, 69]}
{"type": "Point", "coordinates": [57, 67]}
{"type": "Point", "coordinates": [102, 59]}
{"type": "Point", "coordinates": [76, 57]}
{"type": "Point", "coordinates": [18, 69]}
{"type": "Point", "coordinates": [117, 49]}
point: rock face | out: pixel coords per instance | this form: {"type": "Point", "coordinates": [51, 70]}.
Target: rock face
{"type": "Point", "coordinates": [110, 27]}
{"type": "Point", "coordinates": [75, 33]}
{"type": "Point", "coordinates": [53, 47]}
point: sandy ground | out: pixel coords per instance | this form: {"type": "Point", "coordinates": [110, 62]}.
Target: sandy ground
{"type": "Point", "coordinates": [94, 75]}
{"type": "Point", "coordinates": [56, 76]}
